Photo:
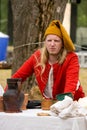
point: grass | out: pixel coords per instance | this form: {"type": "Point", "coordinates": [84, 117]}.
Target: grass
{"type": "Point", "coordinates": [35, 94]}
{"type": "Point", "coordinates": [4, 74]}
{"type": "Point", "coordinates": [83, 79]}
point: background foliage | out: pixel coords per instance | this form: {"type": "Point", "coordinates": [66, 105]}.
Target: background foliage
{"type": "Point", "coordinates": [81, 18]}
{"type": "Point", "coordinates": [3, 15]}
{"type": "Point", "coordinates": [82, 14]}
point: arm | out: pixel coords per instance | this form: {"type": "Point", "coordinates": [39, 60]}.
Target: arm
{"type": "Point", "coordinates": [25, 70]}
{"type": "Point", "coordinates": [72, 75]}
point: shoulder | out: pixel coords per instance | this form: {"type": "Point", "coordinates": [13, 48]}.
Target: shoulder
{"type": "Point", "coordinates": [72, 55]}
{"type": "Point", "coordinates": [37, 53]}
{"type": "Point", "coordinates": [35, 57]}
{"type": "Point", "coordinates": [72, 58]}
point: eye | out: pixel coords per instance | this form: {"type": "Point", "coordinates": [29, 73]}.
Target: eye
{"type": "Point", "coordinates": [49, 40]}
{"type": "Point", "coordinates": [56, 40]}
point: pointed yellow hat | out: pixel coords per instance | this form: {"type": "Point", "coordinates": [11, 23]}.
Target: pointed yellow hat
{"type": "Point", "coordinates": [57, 28]}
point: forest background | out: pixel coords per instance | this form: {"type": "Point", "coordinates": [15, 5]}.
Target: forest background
{"type": "Point", "coordinates": [81, 22]}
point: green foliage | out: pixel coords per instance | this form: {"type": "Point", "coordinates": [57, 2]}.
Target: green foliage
{"type": "Point", "coordinates": [81, 19]}
{"type": "Point", "coordinates": [3, 15]}
{"type": "Point", "coordinates": [82, 14]}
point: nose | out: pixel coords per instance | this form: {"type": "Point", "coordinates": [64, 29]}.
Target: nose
{"type": "Point", "coordinates": [52, 43]}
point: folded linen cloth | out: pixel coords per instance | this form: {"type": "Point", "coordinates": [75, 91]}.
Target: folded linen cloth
{"type": "Point", "coordinates": [70, 111]}
{"type": "Point", "coordinates": [83, 102]}
{"type": "Point", "coordinates": [60, 105]}
{"type": "Point", "coordinates": [68, 108]}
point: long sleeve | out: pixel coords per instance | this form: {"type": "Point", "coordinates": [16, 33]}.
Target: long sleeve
{"type": "Point", "coordinates": [25, 70]}
{"type": "Point", "coordinates": [28, 68]}
{"type": "Point", "coordinates": [67, 76]}
{"type": "Point", "coordinates": [72, 75]}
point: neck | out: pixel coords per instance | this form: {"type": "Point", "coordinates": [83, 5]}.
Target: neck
{"type": "Point", "coordinates": [52, 59]}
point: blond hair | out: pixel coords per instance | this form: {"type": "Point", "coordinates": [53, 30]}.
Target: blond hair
{"type": "Point", "coordinates": [45, 56]}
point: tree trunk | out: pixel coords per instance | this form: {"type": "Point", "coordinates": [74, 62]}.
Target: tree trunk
{"type": "Point", "coordinates": [30, 19]}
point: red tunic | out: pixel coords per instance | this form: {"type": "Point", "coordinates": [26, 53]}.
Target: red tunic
{"type": "Point", "coordinates": [66, 76]}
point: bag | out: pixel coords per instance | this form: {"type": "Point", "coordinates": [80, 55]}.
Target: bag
{"type": "Point", "coordinates": [34, 104]}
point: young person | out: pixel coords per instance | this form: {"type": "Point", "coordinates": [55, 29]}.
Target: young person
{"type": "Point", "coordinates": [56, 65]}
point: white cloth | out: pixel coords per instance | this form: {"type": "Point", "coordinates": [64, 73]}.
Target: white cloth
{"type": "Point", "coordinates": [48, 89]}
{"type": "Point", "coordinates": [28, 120]}
{"type": "Point", "coordinates": [1, 90]}
{"type": "Point", "coordinates": [68, 108]}
{"type": "Point", "coordinates": [60, 105]}
{"type": "Point", "coordinates": [83, 102]}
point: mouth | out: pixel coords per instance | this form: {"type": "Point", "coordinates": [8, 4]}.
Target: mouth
{"type": "Point", "coordinates": [52, 49]}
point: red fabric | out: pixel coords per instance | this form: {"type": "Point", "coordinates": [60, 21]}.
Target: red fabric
{"type": "Point", "coordinates": [65, 76]}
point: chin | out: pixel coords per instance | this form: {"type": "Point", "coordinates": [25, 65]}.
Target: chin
{"type": "Point", "coordinates": [53, 53]}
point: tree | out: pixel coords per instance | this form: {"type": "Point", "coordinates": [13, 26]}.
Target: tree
{"type": "Point", "coordinates": [30, 19]}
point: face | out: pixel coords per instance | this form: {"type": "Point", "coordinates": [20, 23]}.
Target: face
{"type": "Point", "coordinates": [53, 44]}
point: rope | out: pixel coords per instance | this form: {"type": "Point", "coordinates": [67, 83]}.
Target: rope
{"type": "Point", "coordinates": [39, 43]}
{"type": "Point", "coordinates": [81, 47]}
